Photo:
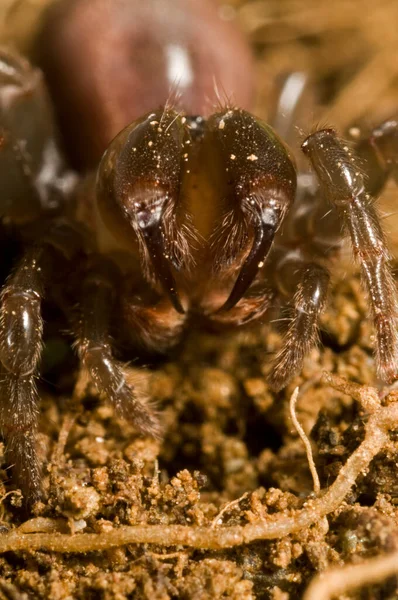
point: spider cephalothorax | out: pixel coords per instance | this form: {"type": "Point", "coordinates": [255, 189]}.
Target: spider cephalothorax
{"type": "Point", "coordinates": [183, 217]}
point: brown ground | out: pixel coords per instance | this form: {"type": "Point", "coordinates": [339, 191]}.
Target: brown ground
{"type": "Point", "coordinates": [228, 436]}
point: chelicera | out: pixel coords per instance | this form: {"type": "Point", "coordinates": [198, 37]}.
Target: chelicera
{"type": "Point", "coordinates": [185, 215]}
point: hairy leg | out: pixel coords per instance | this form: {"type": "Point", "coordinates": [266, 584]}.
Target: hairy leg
{"type": "Point", "coordinates": [21, 328]}
{"type": "Point", "coordinates": [344, 184]}
{"type": "Point", "coordinates": [309, 301]}
{"type": "Point", "coordinates": [95, 350]}
{"type": "Point", "coordinates": [21, 331]}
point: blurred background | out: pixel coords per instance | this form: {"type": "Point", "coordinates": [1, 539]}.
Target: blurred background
{"type": "Point", "coordinates": [348, 47]}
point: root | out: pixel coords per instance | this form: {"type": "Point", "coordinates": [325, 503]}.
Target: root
{"type": "Point", "coordinates": [306, 442]}
{"type": "Point", "coordinates": [335, 582]}
{"type": "Point", "coordinates": [218, 519]}
{"type": "Point", "coordinates": [381, 421]}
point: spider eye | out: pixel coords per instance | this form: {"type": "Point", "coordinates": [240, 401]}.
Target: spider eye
{"type": "Point", "coordinates": [138, 180]}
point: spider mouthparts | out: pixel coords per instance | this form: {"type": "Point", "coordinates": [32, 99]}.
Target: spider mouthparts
{"type": "Point", "coordinates": [175, 300]}
{"type": "Point", "coordinates": [263, 237]}
{"type": "Point", "coordinates": [154, 241]}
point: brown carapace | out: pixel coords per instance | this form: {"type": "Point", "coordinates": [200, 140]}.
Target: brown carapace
{"type": "Point", "coordinates": [183, 216]}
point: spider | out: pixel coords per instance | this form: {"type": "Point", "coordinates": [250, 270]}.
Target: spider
{"type": "Point", "coordinates": [184, 217]}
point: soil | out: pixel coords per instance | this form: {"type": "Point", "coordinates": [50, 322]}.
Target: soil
{"type": "Point", "coordinates": [231, 455]}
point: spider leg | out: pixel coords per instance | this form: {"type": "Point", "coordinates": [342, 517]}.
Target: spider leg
{"type": "Point", "coordinates": [21, 332]}
{"type": "Point", "coordinates": [95, 350]}
{"type": "Point", "coordinates": [21, 329]}
{"type": "Point", "coordinates": [379, 151]}
{"type": "Point", "coordinates": [309, 301]}
{"type": "Point", "coordinates": [33, 174]}
{"type": "Point", "coordinates": [344, 184]}
{"type": "Point", "coordinates": [293, 104]}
